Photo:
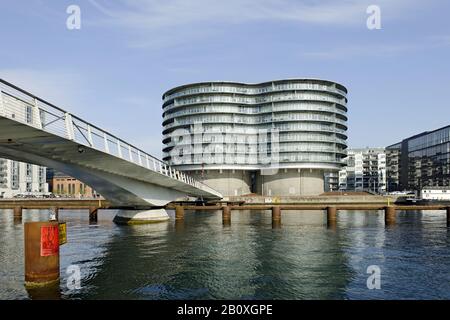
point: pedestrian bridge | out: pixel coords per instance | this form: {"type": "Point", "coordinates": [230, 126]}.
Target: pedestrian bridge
{"type": "Point", "coordinates": [35, 131]}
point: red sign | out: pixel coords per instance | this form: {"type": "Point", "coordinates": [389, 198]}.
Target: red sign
{"type": "Point", "coordinates": [49, 240]}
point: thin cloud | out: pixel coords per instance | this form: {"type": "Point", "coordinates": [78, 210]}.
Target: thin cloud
{"type": "Point", "coordinates": [56, 86]}
{"type": "Point", "coordinates": [161, 22]}
{"type": "Point", "coordinates": [352, 51]}
{"type": "Point", "coordinates": [441, 40]}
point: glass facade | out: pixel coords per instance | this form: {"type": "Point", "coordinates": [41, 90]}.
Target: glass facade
{"type": "Point", "coordinates": [420, 161]}
{"type": "Point", "coordinates": [301, 122]}
{"type": "Point", "coordinates": [429, 160]}
{"type": "Point", "coordinates": [393, 167]}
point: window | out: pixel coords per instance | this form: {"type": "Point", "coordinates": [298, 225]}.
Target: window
{"type": "Point", "coordinates": [29, 114]}
{"type": "Point", "coordinates": [29, 170]}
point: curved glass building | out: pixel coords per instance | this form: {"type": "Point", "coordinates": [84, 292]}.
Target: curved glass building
{"type": "Point", "coordinates": [272, 138]}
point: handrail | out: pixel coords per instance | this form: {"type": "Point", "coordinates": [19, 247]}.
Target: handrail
{"type": "Point", "coordinates": [135, 155]}
{"type": "Point", "coordinates": [64, 111]}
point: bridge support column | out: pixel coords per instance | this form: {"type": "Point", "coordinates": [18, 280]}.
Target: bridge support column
{"type": "Point", "coordinates": [93, 214]}
{"type": "Point", "coordinates": [124, 216]}
{"type": "Point", "coordinates": [179, 213]}
{"type": "Point", "coordinates": [331, 217]}
{"type": "Point", "coordinates": [41, 254]}
{"type": "Point", "coordinates": [389, 215]}
{"type": "Point", "coordinates": [226, 215]}
{"type": "Point", "coordinates": [448, 216]}
{"type": "Point", "coordinates": [276, 216]}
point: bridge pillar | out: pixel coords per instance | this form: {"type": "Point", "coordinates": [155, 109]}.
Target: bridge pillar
{"type": "Point", "coordinates": [331, 217]}
{"type": "Point", "coordinates": [124, 216]}
{"type": "Point", "coordinates": [226, 215]}
{"type": "Point", "coordinates": [179, 213]}
{"type": "Point", "coordinates": [389, 215]}
{"type": "Point", "coordinates": [448, 216]}
{"type": "Point", "coordinates": [41, 246]}
{"type": "Point", "coordinates": [93, 214]}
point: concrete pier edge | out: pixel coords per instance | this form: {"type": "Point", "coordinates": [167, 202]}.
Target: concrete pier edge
{"type": "Point", "coordinates": [131, 217]}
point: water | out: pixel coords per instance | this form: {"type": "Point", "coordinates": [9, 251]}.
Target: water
{"type": "Point", "coordinates": [203, 259]}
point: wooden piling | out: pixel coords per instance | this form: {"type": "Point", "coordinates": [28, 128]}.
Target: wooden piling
{"type": "Point", "coordinates": [17, 212]}
{"type": "Point", "coordinates": [276, 213]}
{"type": "Point", "coordinates": [93, 214]}
{"type": "Point", "coordinates": [179, 212]}
{"type": "Point", "coordinates": [448, 215]}
{"type": "Point", "coordinates": [276, 217]}
{"type": "Point", "coordinates": [226, 215]}
{"type": "Point", "coordinates": [390, 215]}
{"type": "Point", "coordinates": [331, 216]}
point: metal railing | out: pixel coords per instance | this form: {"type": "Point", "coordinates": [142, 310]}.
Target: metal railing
{"type": "Point", "coordinates": [21, 106]}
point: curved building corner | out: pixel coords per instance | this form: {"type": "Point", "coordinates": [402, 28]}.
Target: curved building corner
{"type": "Point", "coordinates": [276, 138]}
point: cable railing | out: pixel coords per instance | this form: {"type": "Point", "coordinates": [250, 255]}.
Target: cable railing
{"type": "Point", "coordinates": [26, 108]}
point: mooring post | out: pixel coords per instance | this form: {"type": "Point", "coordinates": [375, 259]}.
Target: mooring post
{"type": "Point", "coordinates": [389, 215]}
{"type": "Point", "coordinates": [17, 212]}
{"type": "Point", "coordinates": [331, 216]}
{"type": "Point", "coordinates": [226, 215]}
{"type": "Point", "coordinates": [448, 215]}
{"type": "Point", "coordinates": [41, 254]}
{"type": "Point", "coordinates": [93, 214]}
{"type": "Point", "coordinates": [179, 212]}
{"type": "Point", "coordinates": [276, 214]}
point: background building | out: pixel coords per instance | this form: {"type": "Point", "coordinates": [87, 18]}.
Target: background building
{"type": "Point", "coordinates": [21, 178]}
{"type": "Point", "coordinates": [393, 168]}
{"type": "Point", "coordinates": [435, 193]}
{"type": "Point", "coordinates": [230, 134]}
{"type": "Point", "coordinates": [64, 185]}
{"type": "Point", "coordinates": [365, 170]}
{"type": "Point", "coordinates": [331, 181]}
{"type": "Point", "coordinates": [423, 161]}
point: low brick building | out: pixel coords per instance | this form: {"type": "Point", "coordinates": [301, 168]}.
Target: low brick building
{"type": "Point", "coordinates": [64, 185]}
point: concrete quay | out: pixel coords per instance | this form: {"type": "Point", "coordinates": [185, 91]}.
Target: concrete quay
{"type": "Point", "coordinates": [345, 198]}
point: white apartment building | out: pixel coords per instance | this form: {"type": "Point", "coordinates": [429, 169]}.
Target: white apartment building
{"type": "Point", "coordinates": [365, 170]}
{"type": "Point", "coordinates": [21, 178]}
{"type": "Point", "coordinates": [274, 138]}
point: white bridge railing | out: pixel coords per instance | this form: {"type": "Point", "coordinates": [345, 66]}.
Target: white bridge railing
{"type": "Point", "coordinates": [26, 108]}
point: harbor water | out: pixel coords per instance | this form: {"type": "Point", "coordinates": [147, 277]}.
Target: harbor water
{"type": "Point", "coordinates": [200, 258]}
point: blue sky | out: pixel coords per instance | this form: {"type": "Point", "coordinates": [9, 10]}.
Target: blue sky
{"type": "Point", "coordinates": [113, 71]}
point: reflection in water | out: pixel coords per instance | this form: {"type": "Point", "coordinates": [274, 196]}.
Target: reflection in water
{"type": "Point", "coordinates": [200, 259]}
{"type": "Point", "coordinates": [250, 258]}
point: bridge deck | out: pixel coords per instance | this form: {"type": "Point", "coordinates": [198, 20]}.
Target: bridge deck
{"type": "Point", "coordinates": [35, 131]}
